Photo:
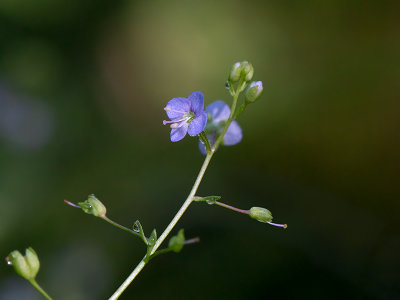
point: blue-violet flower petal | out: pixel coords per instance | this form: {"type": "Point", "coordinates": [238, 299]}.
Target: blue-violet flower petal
{"type": "Point", "coordinates": [186, 115]}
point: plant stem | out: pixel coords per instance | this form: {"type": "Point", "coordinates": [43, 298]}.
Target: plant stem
{"type": "Point", "coordinates": [37, 286]}
{"type": "Point", "coordinates": [120, 226]}
{"type": "Point", "coordinates": [242, 211]}
{"type": "Point", "coordinates": [203, 137]}
{"type": "Point", "coordinates": [166, 250]}
{"type": "Point", "coordinates": [231, 118]}
{"type": "Point", "coordinates": [187, 202]}
{"type": "Point", "coordinates": [162, 251]}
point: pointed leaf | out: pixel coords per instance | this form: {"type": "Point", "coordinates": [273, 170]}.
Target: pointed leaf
{"type": "Point", "coordinates": [137, 227]}
{"type": "Point", "coordinates": [209, 199]}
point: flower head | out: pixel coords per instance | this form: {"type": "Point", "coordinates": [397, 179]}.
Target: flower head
{"type": "Point", "coordinates": [254, 91]}
{"type": "Point", "coordinates": [187, 115]}
{"type": "Point", "coordinates": [218, 112]}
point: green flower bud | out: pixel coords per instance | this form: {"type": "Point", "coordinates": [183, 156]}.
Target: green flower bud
{"type": "Point", "coordinates": [254, 91]}
{"type": "Point", "coordinates": [264, 215]}
{"type": "Point", "coordinates": [235, 72]}
{"type": "Point", "coordinates": [247, 70]}
{"type": "Point", "coordinates": [260, 214]}
{"type": "Point", "coordinates": [93, 206]}
{"type": "Point", "coordinates": [176, 242]}
{"type": "Point", "coordinates": [26, 266]}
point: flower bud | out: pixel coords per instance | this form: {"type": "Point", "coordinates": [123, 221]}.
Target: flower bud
{"type": "Point", "coordinates": [247, 70]}
{"type": "Point", "coordinates": [176, 242]}
{"type": "Point", "coordinates": [260, 214]}
{"type": "Point", "coordinates": [254, 91]}
{"type": "Point", "coordinates": [26, 266]}
{"type": "Point", "coordinates": [93, 206]}
{"type": "Point", "coordinates": [235, 72]}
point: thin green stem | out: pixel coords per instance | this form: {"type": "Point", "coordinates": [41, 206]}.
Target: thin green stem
{"type": "Point", "coordinates": [204, 138]}
{"type": "Point", "coordinates": [162, 251]}
{"type": "Point", "coordinates": [38, 287]}
{"type": "Point", "coordinates": [231, 116]}
{"type": "Point", "coordinates": [167, 230]}
{"type": "Point", "coordinates": [240, 110]}
{"type": "Point", "coordinates": [166, 250]}
{"type": "Point", "coordinates": [120, 226]}
{"type": "Point", "coordinates": [242, 211]}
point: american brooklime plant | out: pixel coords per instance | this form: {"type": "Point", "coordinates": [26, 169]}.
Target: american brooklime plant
{"type": "Point", "coordinates": [215, 126]}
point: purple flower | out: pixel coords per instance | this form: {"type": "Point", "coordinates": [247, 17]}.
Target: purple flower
{"type": "Point", "coordinates": [218, 112]}
{"type": "Point", "coordinates": [187, 116]}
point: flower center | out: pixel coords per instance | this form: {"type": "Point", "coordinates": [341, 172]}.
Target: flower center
{"type": "Point", "coordinates": [186, 118]}
{"type": "Point", "coordinates": [190, 115]}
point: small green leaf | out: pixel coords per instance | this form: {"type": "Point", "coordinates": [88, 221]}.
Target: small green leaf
{"type": "Point", "coordinates": [151, 241]}
{"type": "Point", "coordinates": [209, 199]}
{"type": "Point", "coordinates": [176, 242]}
{"type": "Point", "coordinates": [137, 227]}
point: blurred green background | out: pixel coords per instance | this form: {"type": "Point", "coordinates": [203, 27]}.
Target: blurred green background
{"type": "Point", "coordinates": [82, 90]}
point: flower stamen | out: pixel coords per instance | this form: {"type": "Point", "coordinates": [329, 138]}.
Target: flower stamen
{"type": "Point", "coordinates": [174, 121]}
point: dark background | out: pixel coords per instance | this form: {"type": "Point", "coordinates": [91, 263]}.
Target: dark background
{"type": "Point", "coordinates": [83, 84]}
